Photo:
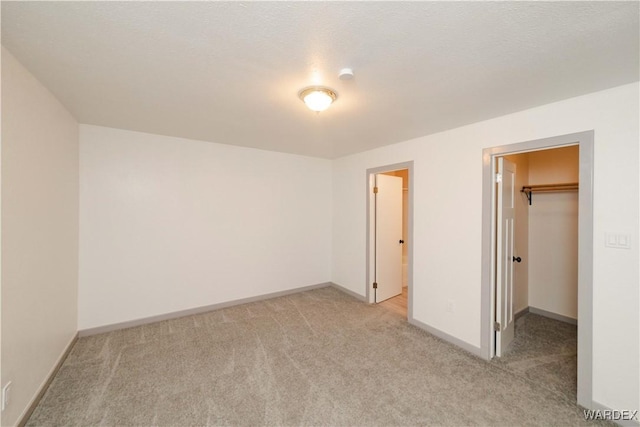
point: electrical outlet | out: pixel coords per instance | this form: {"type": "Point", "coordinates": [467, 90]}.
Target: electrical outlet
{"type": "Point", "coordinates": [450, 306]}
{"type": "Point", "coordinates": [5, 395]}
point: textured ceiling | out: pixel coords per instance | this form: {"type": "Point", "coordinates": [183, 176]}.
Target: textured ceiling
{"type": "Point", "coordinates": [229, 72]}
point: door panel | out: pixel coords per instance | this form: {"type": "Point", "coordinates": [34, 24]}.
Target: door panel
{"type": "Point", "coordinates": [504, 254]}
{"type": "Point", "coordinates": [388, 233]}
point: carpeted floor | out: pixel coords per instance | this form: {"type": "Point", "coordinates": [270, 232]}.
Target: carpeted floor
{"type": "Point", "coordinates": [544, 351]}
{"type": "Point", "coordinates": [315, 358]}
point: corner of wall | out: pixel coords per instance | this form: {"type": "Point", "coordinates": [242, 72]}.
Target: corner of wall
{"type": "Point", "coordinates": [39, 209]}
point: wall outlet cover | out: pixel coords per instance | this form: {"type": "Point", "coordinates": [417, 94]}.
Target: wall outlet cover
{"type": "Point", "coordinates": [450, 306]}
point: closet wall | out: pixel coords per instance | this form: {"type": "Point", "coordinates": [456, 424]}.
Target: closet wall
{"type": "Point", "coordinates": [546, 234]}
{"type": "Point", "coordinates": [553, 233]}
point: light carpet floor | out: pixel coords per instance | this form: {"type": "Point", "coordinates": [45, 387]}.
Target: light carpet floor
{"type": "Point", "coordinates": [544, 351]}
{"type": "Point", "coordinates": [314, 358]}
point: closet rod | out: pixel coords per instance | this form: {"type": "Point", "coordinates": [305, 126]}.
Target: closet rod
{"type": "Point", "coordinates": [548, 188]}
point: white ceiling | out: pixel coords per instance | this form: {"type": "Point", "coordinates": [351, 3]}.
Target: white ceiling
{"type": "Point", "coordinates": [229, 72]}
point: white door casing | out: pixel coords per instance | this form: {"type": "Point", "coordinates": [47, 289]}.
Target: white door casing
{"type": "Point", "coordinates": [505, 179]}
{"type": "Point", "coordinates": [388, 234]}
{"type": "Point", "coordinates": [585, 140]}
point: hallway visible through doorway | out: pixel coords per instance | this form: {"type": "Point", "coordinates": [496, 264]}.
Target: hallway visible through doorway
{"type": "Point", "coordinates": [398, 303]}
{"type": "Point", "coordinates": [389, 241]}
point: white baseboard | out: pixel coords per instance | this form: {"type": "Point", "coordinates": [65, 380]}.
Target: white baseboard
{"type": "Point", "coordinates": [22, 419]}
{"type": "Point", "coordinates": [349, 292]}
{"type": "Point", "coordinates": [554, 316]}
{"type": "Point", "coordinates": [197, 310]}
{"type": "Point", "coordinates": [476, 351]}
{"type": "Point", "coordinates": [521, 313]}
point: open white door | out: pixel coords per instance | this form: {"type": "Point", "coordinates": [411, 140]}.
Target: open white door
{"type": "Point", "coordinates": [388, 237]}
{"type": "Point", "coordinates": [505, 179]}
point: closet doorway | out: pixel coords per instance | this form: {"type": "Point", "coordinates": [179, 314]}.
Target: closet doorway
{"type": "Point", "coordinates": [537, 266]}
{"type": "Point", "coordinates": [503, 257]}
{"type": "Point", "coordinates": [537, 240]}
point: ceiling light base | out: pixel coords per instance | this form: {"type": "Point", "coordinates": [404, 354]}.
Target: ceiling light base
{"type": "Point", "coordinates": [318, 98]}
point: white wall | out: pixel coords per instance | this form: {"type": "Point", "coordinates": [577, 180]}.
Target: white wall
{"type": "Point", "coordinates": [39, 233]}
{"type": "Point", "coordinates": [168, 224]}
{"type": "Point", "coordinates": [553, 233]}
{"type": "Point", "coordinates": [521, 269]}
{"type": "Point", "coordinates": [448, 221]}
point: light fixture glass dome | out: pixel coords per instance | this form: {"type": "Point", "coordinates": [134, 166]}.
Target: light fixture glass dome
{"type": "Point", "coordinates": [318, 98]}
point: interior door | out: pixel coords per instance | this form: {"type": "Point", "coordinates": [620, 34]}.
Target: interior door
{"type": "Point", "coordinates": [388, 237]}
{"type": "Point", "coordinates": [506, 179]}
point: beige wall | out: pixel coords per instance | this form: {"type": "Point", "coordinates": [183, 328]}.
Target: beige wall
{"type": "Point", "coordinates": [546, 233]}
{"type": "Point", "coordinates": [39, 233]}
{"type": "Point", "coordinates": [553, 233]}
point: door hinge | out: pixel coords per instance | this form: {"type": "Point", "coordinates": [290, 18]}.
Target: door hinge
{"type": "Point", "coordinates": [375, 190]}
{"type": "Point", "coordinates": [496, 326]}
{"type": "Point", "coordinates": [498, 177]}
{"type": "Point", "coordinates": [375, 285]}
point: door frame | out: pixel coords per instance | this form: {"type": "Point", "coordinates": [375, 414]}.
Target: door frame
{"type": "Point", "coordinates": [585, 249]}
{"type": "Point", "coordinates": [370, 175]}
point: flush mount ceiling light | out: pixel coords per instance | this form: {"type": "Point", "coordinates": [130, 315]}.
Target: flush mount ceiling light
{"type": "Point", "coordinates": [317, 98]}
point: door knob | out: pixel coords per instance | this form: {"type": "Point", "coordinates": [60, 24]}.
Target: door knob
{"type": "Point", "coordinates": [401, 241]}
{"type": "Point", "coordinates": [517, 259]}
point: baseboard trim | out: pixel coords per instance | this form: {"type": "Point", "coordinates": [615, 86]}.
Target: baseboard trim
{"type": "Point", "coordinates": [190, 311]}
{"type": "Point", "coordinates": [521, 313]}
{"type": "Point", "coordinates": [476, 351]}
{"type": "Point", "coordinates": [349, 292]}
{"type": "Point", "coordinates": [22, 420]}
{"type": "Point", "coordinates": [553, 316]}
{"type": "Point", "coordinates": [624, 423]}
